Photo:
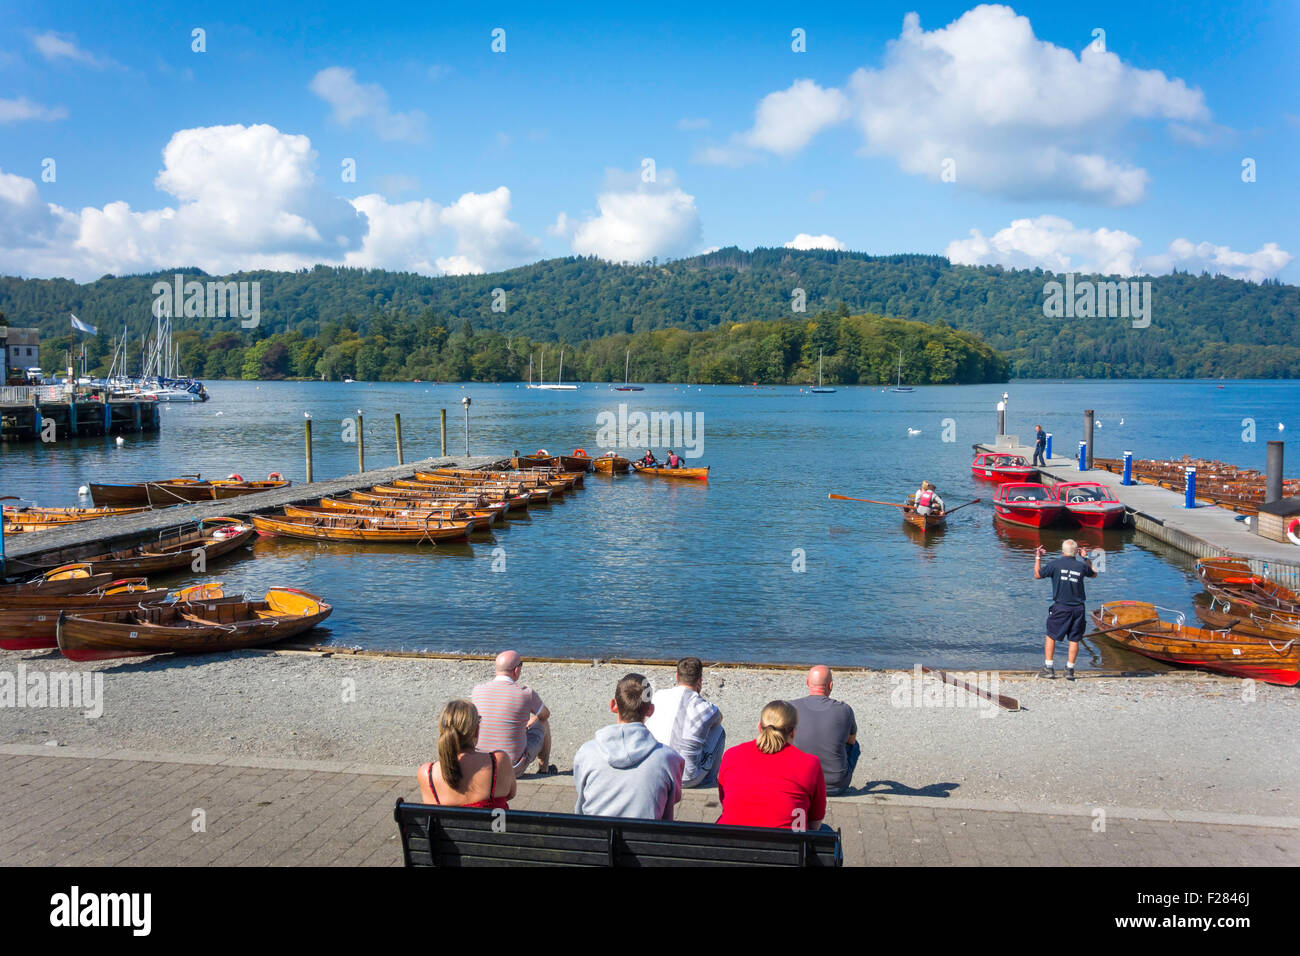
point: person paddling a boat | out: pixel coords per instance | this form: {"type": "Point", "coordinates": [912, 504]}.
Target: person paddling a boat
{"type": "Point", "coordinates": [649, 461]}
{"type": "Point", "coordinates": [674, 461]}
{"type": "Point", "coordinates": [927, 500]}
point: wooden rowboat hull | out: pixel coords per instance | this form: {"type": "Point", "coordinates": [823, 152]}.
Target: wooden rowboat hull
{"type": "Point", "coordinates": [928, 522]}
{"type": "Point", "coordinates": [616, 465]}
{"type": "Point", "coordinates": [191, 627]}
{"type": "Point", "coordinates": [33, 627]}
{"type": "Point", "coordinates": [373, 530]}
{"type": "Point", "coordinates": [699, 474]}
{"type": "Point", "coordinates": [477, 522]}
{"type": "Point", "coordinates": [174, 552]}
{"type": "Point", "coordinates": [70, 579]}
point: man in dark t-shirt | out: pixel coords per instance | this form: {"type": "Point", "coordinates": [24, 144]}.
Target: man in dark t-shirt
{"type": "Point", "coordinates": [1040, 445]}
{"type": "Point", "coordinates": [828, 730]}
{"type": "Point", "coordinates": [1066, 619]}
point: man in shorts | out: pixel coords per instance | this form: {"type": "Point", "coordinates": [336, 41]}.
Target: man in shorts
{"type": "Point", "coordinates": [513, 718]}
{"type": "Point", "coordinates": [1066, 619]}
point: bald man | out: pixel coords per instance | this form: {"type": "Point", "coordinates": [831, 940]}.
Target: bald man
{"type": "Point", "coordinates": [514, 719]}
{"type": "Point", "coordinates": [828, 730]}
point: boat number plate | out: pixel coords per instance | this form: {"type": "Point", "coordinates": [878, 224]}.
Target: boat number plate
{"type": "Point", "coordinates": [134, 634]}
{"type": "Point", "coordinates": [988, 473]}
{"type": "Point", "coordinates": [1237, 651]}
{"type": "Point", "coordinates": [40, 617]}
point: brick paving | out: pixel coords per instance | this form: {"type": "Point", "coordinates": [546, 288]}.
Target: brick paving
{"type": "Point", "coordinates": [90, 811]}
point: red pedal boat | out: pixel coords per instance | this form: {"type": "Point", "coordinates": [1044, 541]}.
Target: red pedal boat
{"type": "Point", "coordinates": [1090, 503]}
{"type": "Point", "coordinates": [999, 466]}
{"type": "Point", "coordinates": [1026, 503]}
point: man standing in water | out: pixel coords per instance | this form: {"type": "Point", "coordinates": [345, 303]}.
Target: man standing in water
{"type": "Point", "coordinates": [1066, 618]}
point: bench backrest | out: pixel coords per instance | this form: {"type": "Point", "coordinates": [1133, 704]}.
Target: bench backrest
{"type": "Point", "coordinates": [456, 836]}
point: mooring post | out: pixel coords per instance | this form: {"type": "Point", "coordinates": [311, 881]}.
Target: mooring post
{"type": "Point", "coordinates": [307, 430]}
{"type": "Point", "coordinates": [397, 425]}
{"type": "Point", "coordinates": [443, 417]}
{"type": "Point", "coordinates": [1273, 473]}
{"type": "Point", "coordinates": [466, 401]}
{"type": "Point", "coordinates": [1128, 469]}
{"type": "Point", "coordinates": [361, 444]}
{"type": "Point", "coordinates": [2, 550]}
{"type": "Point", "coordinates": [36, 418]}
{"type": "Point", "coordinates": [1002, 418]}
{"type": "Point", "coordinates": [1189, 494]}
{"type": "Point", "coordinates": [1047, 449]}
{"type": "Point", "coordinates": [108, 414]}
{"type": "Point", "coordinates": [139, 427]}
{"type": "Point", "coordinates": [1083, 456]}
{"type": "Point", "coordinates": [1087, 434]}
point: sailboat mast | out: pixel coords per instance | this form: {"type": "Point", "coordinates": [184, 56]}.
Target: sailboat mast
{"type": "Point", "coordinates": [626, 365]}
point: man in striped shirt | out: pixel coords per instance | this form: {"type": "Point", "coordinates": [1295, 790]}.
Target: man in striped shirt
{"type": "Point", "coordinates": [513, 718]}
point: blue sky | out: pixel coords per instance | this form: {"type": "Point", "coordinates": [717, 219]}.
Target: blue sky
{"type": "Point", "coordinates": [1097, 173]}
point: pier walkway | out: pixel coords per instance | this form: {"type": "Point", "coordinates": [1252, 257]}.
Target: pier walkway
{"type": "Point", "coordinates": [28, 553]}
{"type": "Point", "coordinates": [1206, 531]}
{"type": "Point", "coordinates": [129, 808]}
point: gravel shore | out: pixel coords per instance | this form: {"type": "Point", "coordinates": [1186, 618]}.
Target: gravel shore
{"type": "Point", "coordinates": [1172, 742]}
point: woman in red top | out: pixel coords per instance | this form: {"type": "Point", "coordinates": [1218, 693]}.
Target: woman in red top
{"type": "Point", "coordinates": [463, 777]}
{"type": "Point", "coordinates": [769, 782]}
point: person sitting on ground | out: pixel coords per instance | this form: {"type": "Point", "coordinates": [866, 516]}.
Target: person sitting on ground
{"type": "Point", "coordinates": [514, 719]}
{"type": "Point", "coordinates": [828, 730]}
{"type": "Point", "coordinates": [649, 461]}
{"type": "Point", "coordinates": [624, 771]}
{"type": "Point", "coordinates": [769, 782]}
{"type": "Point", "coordinates": [927, 500]}
{"type": "Point", "coordinates": [463, 776]}
{"type": "Point", "coordinates": [690, 725]}
{"type": "Point", "coordinates": [673, 460]}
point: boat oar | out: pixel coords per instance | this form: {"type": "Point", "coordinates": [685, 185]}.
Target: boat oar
{"type": "Point", "coordinates": [1002, 700]}
{"type": "Point", "coordinates": [1123, 627]}
{"type": "Point", "coordinates": [870, 501]}
{"type": "Point", "coordinates": [959, 507]}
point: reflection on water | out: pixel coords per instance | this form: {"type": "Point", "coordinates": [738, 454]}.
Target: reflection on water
{"type": "Point", "coordinates": [642, 567]}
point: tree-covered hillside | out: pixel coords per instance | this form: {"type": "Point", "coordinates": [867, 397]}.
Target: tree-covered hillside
{"type": "Point", "coordinates": [1200, 325]}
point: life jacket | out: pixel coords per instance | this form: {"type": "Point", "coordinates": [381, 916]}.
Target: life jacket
{"type": "Point", "coordinates": [674, 461]}
{"type": "Point", "coordinates": [924, 498]}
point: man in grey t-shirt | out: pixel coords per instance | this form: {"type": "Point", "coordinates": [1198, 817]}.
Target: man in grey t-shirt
{"type": "Point", "coordinates": [828, 730]}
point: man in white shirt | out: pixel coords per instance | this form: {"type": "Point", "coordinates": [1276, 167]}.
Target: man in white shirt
{"type": "Point", "coordinates": [689, 724]}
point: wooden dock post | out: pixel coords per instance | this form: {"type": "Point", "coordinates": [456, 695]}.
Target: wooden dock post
{"type": "Point", "coordinates": [397, 426]}
{"type": "Point", "coordinates": [307, 430]}
{"type": "Point", "coordinates": [443, 417]}
{"type": "Point", "coordinates": [361, 444]}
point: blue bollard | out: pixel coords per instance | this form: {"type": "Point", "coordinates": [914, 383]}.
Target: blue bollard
{"type": "Point", "coordinates": [1047, 450]}
{"type": "Point", "coordinates": [1083, 456]}
{"type": "Point", "coordinates": [1189, 496]}
{"type": "Point", "coordinates": [1128, 469]}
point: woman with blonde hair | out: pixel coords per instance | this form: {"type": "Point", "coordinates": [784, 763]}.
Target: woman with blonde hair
{"type": "Point", "coordinates": [462, 776]}
{"type": "Point", "coordinates": [769, 782]}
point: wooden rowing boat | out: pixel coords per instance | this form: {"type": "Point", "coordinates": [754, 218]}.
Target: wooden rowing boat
{"type": "Point", "coordinates": [362, 528]}
{"type": "Point", "coordinates": [571, 479]}
{"type": "Point", "coordinates": [611, 464]}
{"type": "Point", "coordinates": [537, 495]}
{"type": "Point", "coordinates": [30, 623]}
{"type": "Point", "coordinates": [194, 627]}
{"type": "Point", "coordinates": [478, 520]}
{"type": "Point", "coordinates": [513, 502]}
{"type": "Point", "coordinates": [928, 522]}
{"type": "Point", "coordinates": [214, 538]}
{"type": "Point", "coordinates": [69, 579]}
{"type": "Point", "coordinates": [1225, 651]}
{"type": "Point", "coordinates": [492, 509]}
{"type": "Point", "coordinates": [18, 520]}
{"type": "Point", "coordinates": [129, 495]}
{"type": "Point", "coordinates": [181, 490]}
{"type": "Point", "coordinates": [1273, 627]}
{"type": "Point", "coordinates": [1219, 570]}
{"type": "Point", "coordinates": [559, 483]}
{"type": "Point", "coordinates": [1254, 592]}
{"type": "Point", "coordinates": [700, 474]}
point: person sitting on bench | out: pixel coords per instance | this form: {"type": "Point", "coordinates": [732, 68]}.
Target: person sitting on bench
{"type": "Point", "coordinates": [462, 776]}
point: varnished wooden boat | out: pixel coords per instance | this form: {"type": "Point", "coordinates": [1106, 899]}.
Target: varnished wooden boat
{"type": "Point", "coordinates": [30, 623]}
{"type": "Point", "coordinates": [194, 627]}
{"type": "Point", "coordinates": [69, 579]}
{"type": "Point", "coordinates": [478, 520]}
{"type": "Point", "coordinates": [559, 462]}
{"type": "Point", "coordinates": [537, 495]}
{"type": "Point", "coordinates": [558, 484]}
{"type": "Point", "coordinates": [181, 490]}
{"type": "Point", "coordinates": [1254, 592]}
{"type": "Point", "coordinates": [1224, 570]}
{"type": "Point", "coordinates": [611, 464]}
{"type": "Point", "coordinates": [215, 536]}
{"type": "Point", "coordinates": [513, 502]}
{"type": "Point", "coordinates": [39, 519]}
{"type": "Point", "coordinates": [375, 530]}
{"type": "Point", "coordinates": [129, 495]}
{"type": "Point", "coordinates": [698, 474]}
{"type": "Point", "coordinates": [1274, 627]}
{"type": "Point", "coordinates": [1226, 651]}
{"type": "Point", "coordinates": [928, 522]}
{"type": "Point", "coordinates": [571, 479]}
{"type": "Point", "coordinates": [360, 500]}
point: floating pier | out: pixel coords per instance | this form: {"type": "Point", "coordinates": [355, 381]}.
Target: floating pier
{"type": "Point", "coordinates": [56, 413]}
{"type": "Point", "coordinates": [27, 554]}
{"type": "Point", "coordinates": [1206, 531]}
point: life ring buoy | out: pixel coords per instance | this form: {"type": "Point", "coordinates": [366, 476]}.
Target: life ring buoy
{"type": "Point", "coordinates": [275, 476]}
{"type": "Point", "coordinates": [542, 453]}
{"type": "Point", "coordinates": [234, 476]}
{"type": "Point", "coordinates": [579, 453]}
{"type": "Point", "coordinates": [1293, 531]}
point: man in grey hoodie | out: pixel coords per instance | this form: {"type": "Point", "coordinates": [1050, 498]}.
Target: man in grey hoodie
{"type": "Point", "coordinates": [624, 771]}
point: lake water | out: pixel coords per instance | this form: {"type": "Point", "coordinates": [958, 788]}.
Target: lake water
{"type": "Point", "coordinates": [638, 567]}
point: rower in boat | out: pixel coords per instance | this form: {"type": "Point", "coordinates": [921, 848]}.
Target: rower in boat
{"type": "Point", "coordinates": [649, 461]}
{"type": "Point", "coordinates": [674, 460]}
{"type": "Point", "coordinates": [927, 500]}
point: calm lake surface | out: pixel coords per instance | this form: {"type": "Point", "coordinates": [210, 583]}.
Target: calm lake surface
{"type": "Point", "coordinates": [638, 567]}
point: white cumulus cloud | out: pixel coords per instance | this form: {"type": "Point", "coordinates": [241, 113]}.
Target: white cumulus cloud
{"type": "Point", "coordinates": [351, 101]}
{"type": "Point", "coordinates": [640, 221]}
{"type": "Point", "coordinates": [12, 111]}
{"type": "Point", "coordinates": [1057, 245]}
{"type": "Point", "coordinates": [805, 241]}
{"type": "Point", "coordinates": [786, 120]}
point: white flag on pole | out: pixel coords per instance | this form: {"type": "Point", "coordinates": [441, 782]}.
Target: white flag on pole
{"type": "Point", "coordinates": [82, 326]}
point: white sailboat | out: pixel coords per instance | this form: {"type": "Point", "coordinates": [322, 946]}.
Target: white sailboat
{"type": "Point", "coordinates": [900, 387]}
{"type": "Point", "coordinates": [530, 369]}
{"type": "Point", "coordinates": [625, 387]}
{"type": "Point", "coordinates": [559, 385]}
{"type": "Point", "coordinates": [820, 389]}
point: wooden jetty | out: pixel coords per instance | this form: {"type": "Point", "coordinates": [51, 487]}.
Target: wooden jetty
{"type": "Point", "coordinates": [58, 412]}
{"type": "Point", "coordinates": [30, 553]}
{"type": "Point", "coordinates": [1206, 531]}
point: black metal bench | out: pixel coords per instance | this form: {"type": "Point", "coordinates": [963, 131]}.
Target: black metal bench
{"type": "Point", "coordinates": [455, 836]}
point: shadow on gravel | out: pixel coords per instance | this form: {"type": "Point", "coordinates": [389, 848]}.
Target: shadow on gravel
{"type": "Point", "coordinates": [896, 789]}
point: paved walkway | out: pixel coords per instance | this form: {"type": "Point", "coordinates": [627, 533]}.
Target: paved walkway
{"type": "Point", "coordinates": [119, 808]}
